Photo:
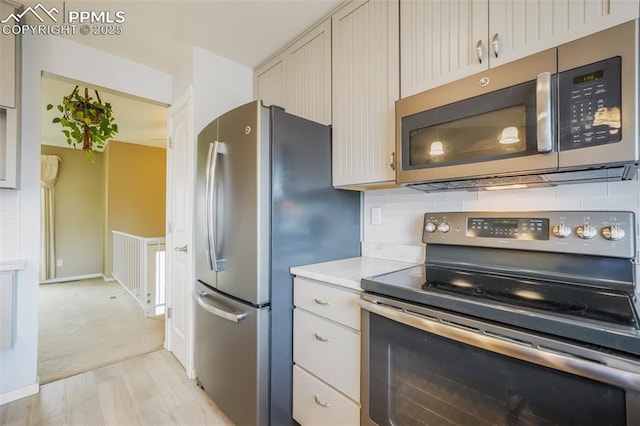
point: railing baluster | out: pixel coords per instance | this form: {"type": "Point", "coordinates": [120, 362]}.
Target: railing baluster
{"type": "Point", "coordinates": [138, 265]}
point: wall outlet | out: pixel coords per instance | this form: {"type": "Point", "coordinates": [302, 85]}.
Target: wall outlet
{"type": "Point", "coordinates": [376, 216]}
{"type": "Point", "coordinates": [59, 262]}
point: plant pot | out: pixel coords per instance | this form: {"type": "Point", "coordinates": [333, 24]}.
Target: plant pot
{"type": "Point", "coordinates": [92, 112]}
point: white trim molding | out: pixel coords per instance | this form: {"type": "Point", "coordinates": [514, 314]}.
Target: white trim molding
{"type": "Point", "coordinates": [20, 393]}
{"type": "Point", "coordinates": [73, 278]}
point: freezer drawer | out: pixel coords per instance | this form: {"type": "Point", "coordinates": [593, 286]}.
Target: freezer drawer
{"type": "Point", "coordinates": [232, 355]}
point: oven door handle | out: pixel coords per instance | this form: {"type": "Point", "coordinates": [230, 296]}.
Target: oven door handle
{"type": "Point", "coordinates": [555, 360]}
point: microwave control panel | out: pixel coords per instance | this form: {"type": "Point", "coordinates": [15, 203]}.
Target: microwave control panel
{"type": "Point", "coordinates": [590, 105]}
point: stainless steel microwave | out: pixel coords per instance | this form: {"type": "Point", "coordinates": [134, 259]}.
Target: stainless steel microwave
{"type": "Point", "coordinates": [564, 115]}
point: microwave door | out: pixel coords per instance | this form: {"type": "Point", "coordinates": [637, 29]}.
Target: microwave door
{"type": "Point", "coordinates": [505, 130]}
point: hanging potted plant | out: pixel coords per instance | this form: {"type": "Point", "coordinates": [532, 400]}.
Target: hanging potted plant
{"type": "Point", "coordinates": [86, 122]}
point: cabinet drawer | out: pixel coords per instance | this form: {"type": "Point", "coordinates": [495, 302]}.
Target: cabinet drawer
{"type": "Point", "coordinates": [333, 303]}
{"type": "Point", "coordinates": [329, 351]}
{"type": "Point", "coordinates": [308, 395]}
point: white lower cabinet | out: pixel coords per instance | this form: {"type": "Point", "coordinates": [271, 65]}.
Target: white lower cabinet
{"type": "Point", "coordinates": [328, 350]}
{"type": "Point", "coordinates": [316, 403]}
{"type": "Point", "coordinates": [326, 353]}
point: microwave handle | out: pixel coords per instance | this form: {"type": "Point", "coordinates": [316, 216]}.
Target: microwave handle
{"type": "Point", "coordinates": [543, 112]}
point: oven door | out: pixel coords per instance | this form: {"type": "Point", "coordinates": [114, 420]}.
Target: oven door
{"type": "Point", "coordinates": [421, 366]}
{"type": "Point", "coordinates": [498, 122]}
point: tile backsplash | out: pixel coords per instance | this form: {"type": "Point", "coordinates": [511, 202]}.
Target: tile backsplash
{"type": "Point", "coordinates": [9, 221]}
{"type": "Point", "coordinates": [403, 209]}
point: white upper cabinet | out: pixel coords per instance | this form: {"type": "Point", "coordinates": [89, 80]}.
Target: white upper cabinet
{"type": "Point", "coordinates": [269, 82]}
{"type": "Point", "coordinates": [442, 40]}
{"type": "Point", "coordinates": [299, 78]}
{"type": "Point", "coordinates": [365, 87]}
{"type": "Point", "coordinates": [519, 28]}
{"type": "Point", "coordinates": [7, 62]}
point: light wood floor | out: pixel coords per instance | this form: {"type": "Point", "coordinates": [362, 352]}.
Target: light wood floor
{"type": "Point", "coordinates": [151, 389]}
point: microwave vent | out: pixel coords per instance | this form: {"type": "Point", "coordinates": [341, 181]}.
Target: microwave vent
{"type": "Point", "coordinates": [472, 184]}
{"type": "Point", "coordinates": [594, 175]}
{"type": "Point", "coordinates": [533, 181]}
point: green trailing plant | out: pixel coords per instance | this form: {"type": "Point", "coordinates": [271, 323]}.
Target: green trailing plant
{"type": "Point", "coordinates": [86, 122]}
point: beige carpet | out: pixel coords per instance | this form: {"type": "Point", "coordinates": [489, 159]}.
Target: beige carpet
{"type": "Point", "coordinates": [88, 324]}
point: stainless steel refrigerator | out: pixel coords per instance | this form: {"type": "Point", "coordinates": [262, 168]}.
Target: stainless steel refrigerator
{"type": "Point", "coordinates": [264, 203]}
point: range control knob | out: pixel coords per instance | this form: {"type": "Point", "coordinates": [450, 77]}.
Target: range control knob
{"type": "Point", "coordinates": [561, 231]}
{"type": "Point", "coordinates": [429, 227]}
{"type": "Point", "coordinates": [613, 233]}
{"type": "Point", "coordinates": [586, 232]}
{"type": "Point", "coordinates": [443, 227]}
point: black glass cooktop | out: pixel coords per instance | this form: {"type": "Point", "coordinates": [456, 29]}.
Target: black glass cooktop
{"type": "Point", "coordinates": [565, 299]}
{"type": "Point", "coordinates": [603, 317]}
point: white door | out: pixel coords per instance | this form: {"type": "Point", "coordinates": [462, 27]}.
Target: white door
{"type": "Point", "coordinates": [179, 261]}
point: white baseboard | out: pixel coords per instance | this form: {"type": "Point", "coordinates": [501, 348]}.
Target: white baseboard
{"type": "Point", "coordinates": [73, 278]}
{"type": "Point", "coordinates": [106, 278]}
{"type": "Point", "coordinates": [17, 394]}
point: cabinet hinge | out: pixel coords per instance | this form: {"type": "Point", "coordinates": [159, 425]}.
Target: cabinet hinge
{"type": "Point", "coordinates": [170, 143]}
{"type": "Point", "coordinates": [168, 313]}
{"type": "Point", "coordinates": [170, 228]}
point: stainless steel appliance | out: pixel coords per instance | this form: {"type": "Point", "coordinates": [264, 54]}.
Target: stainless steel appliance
{"type": "Point", "coordinates": [565, 115]}
{"type": "Point", "coordinates": [515, 318]}
{"type": "Point", "coordinates": [264, 203]}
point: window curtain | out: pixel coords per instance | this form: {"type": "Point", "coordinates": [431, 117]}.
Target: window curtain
{"type": "Point", "coordinates": [48, 178]}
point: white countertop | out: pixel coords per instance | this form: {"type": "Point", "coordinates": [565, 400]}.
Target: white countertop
{"type": "Point", "coordinates": [12, 265]}
{"type": "Point", "coordinates": [349, 272]}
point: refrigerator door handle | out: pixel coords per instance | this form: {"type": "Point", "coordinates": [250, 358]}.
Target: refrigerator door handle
{"type": "Point", "coordinates": [220, 310]}
{"type": "Point", "coordinates": [215, 148]}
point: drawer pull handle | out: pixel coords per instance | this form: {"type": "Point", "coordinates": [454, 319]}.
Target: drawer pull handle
{"type": "Point", "coordinates": [320, 301]}
{"type": "Point", "coordinates": [322, 339]}
{"type": "Point", "coordinates": [320, 403]}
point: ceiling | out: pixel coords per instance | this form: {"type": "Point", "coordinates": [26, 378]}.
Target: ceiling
{"type": "Point", "coordinates": [138, 121]}
{"type": "Point", "coordinates": [162, 33]}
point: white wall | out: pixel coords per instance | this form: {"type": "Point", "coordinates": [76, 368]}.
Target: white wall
{"type": "Point", "coordinates": [182, 77]}
{"type": "Point", "coordinates": [403, 209]}
{"type": "Point", "coordinates": [18, 366]}
{"type": "Point", "coordinates": [218, 86]}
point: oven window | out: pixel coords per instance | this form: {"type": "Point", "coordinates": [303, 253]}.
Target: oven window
{"type": "Point", "coordinates": [417, 378]}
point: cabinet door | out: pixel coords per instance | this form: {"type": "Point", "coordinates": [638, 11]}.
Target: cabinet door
{"type": "Point", "coordinates": [269, 83]}
{"type": "Point", "coordinates": [365, 88]}
{"type": "Point", "coordinates": [7, 62]}
{"type": "Point", "coordinates": [519, 28]}
{"type": "Point", "coordinates": [336, 304]}
{"type": "Point", "coordinates": [441, 41]}
{"type": "Point", "coordinates": [328, 350]}
{"type": "Point", "coordinates": [308, 75]}
{"type": "Point", "coordinates": [315, 403]}
{"type": "Point", "coordinates": [299, 78]}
